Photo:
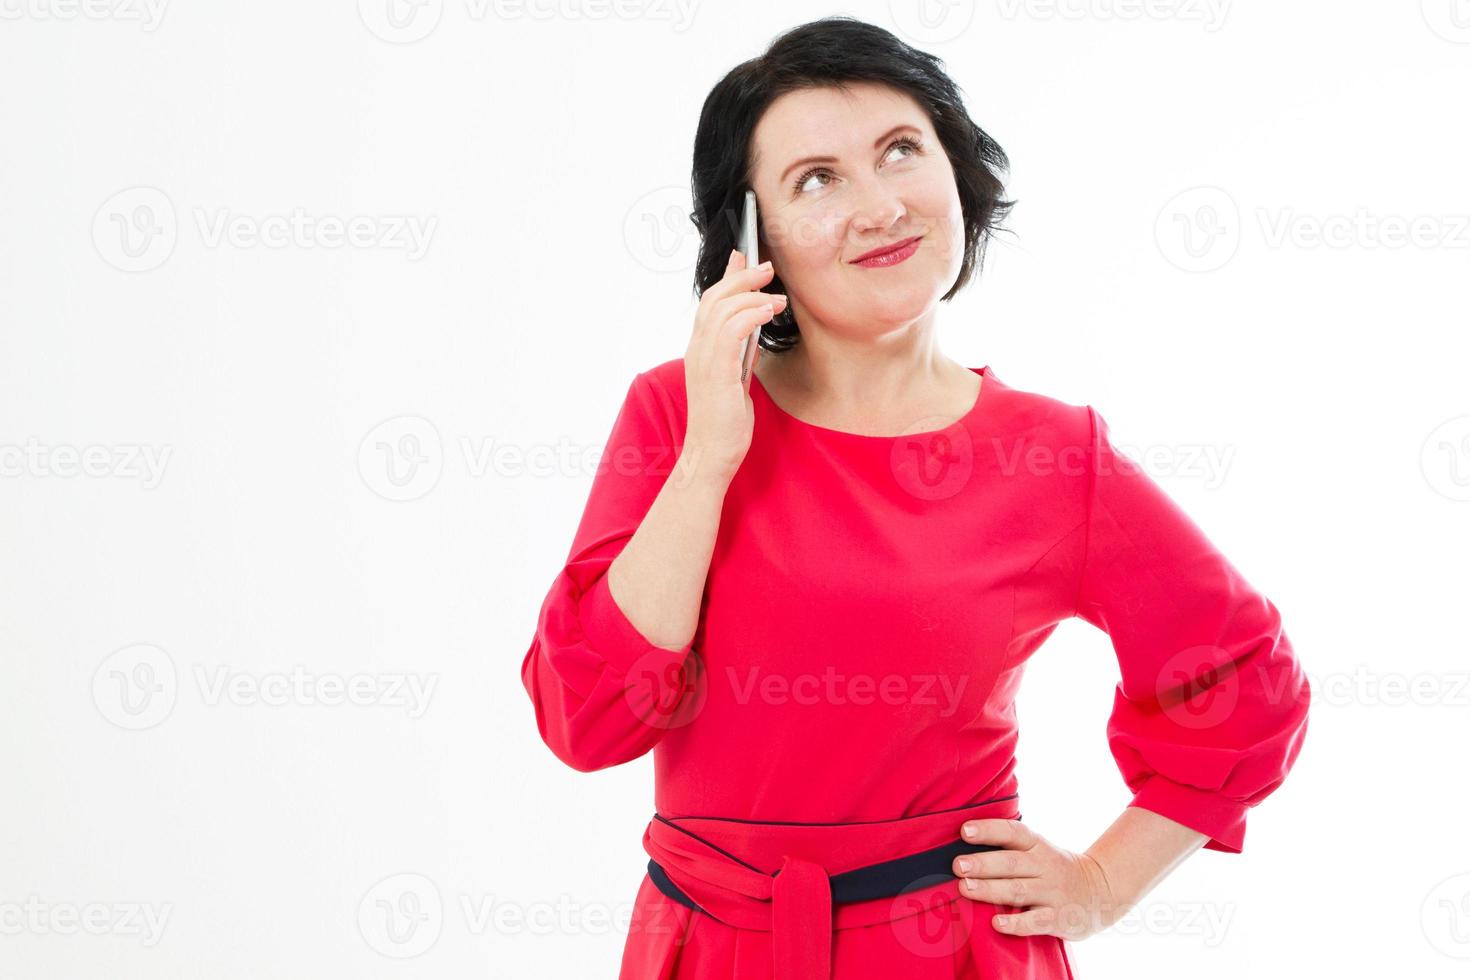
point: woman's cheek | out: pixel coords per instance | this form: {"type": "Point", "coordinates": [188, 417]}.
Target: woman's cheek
{"type": "Point", "coordinates": [818, 233]}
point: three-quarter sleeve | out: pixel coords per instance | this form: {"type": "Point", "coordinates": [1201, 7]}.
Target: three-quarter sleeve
{"type": "Point", "coordinates": [602, 692]}
{"type": "Point", "coordinates": [1211, 710]}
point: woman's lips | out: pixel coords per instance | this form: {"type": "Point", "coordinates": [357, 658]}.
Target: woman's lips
{"type": "Point", "coordinates": [893, 256]}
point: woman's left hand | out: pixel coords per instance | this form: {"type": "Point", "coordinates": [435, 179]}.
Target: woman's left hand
{"type": "Point", "coordinates": [1064, 893]}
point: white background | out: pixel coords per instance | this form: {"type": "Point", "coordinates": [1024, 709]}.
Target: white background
{"type": "Point", "coordinates": [325, 495]}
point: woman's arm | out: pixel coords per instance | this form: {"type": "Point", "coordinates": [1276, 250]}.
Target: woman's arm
{"type": "Point", "coordinates": [1138, 851]}
{"type": "Point", "coordinates": [658, 579]}
{"type": "Point", "coordinates": [606, 667]}
{"type": "Point", "coordinates": [1048, 890]}
{"type": "Point", "coordinates": [1208, 717]}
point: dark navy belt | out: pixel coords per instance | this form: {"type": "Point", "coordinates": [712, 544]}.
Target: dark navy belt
{"type": "Point", "coordinates": [886, 879]}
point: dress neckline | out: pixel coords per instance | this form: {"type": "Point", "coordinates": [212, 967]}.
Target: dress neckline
{"type": "Point", "coordinates": [969, 416]}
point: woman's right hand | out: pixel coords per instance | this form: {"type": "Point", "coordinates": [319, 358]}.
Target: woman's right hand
{"type": "Point", "coordinates": [721, 416]}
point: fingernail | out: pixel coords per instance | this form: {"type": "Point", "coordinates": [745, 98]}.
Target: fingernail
{"type": "Point", "coordinates": [765, 265]}
{"type": "Point", "coordinates": [733, 253]}
{"type": "Point", "coordinates": [964, 866]}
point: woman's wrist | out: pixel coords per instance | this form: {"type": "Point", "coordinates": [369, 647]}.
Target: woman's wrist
{"type": "Point", "coordinates": [1138, 851]}
{"type": "Point", "coordinates": [704, 467]}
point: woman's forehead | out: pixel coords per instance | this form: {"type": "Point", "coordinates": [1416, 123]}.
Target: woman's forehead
{"type": "Point", "coordinates": [826, 121]}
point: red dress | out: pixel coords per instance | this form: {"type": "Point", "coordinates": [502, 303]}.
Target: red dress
{"type": "Point", "coordinates": [847, 698]}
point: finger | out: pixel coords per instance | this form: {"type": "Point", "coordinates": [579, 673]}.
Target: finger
{"type": "Point", "coordinates": [740, 302]}
{"type": "Point", "coordinates": [740, 326]}
{"type": "Point", "coordinates": [1019, 892]}
{"type": "Point", "coordinates": [998, 864]}
{"type": "Point", "coordinates": [1032, 922]}
{"type": "Point", "coordinates": [740, 280]}
{"type": "Point", "coordinates": [711, 322]}
{"type": "Point", "coordinates": [1006, 833]}
{"type": "Point", "coordinates": [720, 301]}
{"type": "Point", "coordinates": [703, 337]}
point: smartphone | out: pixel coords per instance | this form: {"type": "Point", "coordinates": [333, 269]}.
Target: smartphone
{"type": "Point", "coordinates": [748, 239]}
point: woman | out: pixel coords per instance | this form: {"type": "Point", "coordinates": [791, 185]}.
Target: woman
{"type": "Point", "coordinates": [812, 593]}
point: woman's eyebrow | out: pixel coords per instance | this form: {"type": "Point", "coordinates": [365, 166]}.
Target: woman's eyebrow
{"type": "Point", "coordinates": [876, 143]}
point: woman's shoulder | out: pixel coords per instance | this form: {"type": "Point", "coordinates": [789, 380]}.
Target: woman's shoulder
{"type": "Point", "coordinates": [1027, 412]}
{"type": "Point", "coordinates": [663, 389]}
{"type": "Point", "coordinates": [667, 376]}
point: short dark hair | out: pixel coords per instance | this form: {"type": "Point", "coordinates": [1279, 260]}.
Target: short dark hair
{"type": "Point", "coordinates": [832, 52]}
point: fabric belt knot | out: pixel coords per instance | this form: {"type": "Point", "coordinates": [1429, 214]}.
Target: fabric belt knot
{"type": "Point", "coordinates": [801, 920]}
{"type": "Point", "coordinates": [802, 882]}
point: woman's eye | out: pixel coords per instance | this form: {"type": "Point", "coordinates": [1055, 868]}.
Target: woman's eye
{"type": "Point", "coordinates": [906, 143]}
{"type": "Point", "coordinates": [805, 178]}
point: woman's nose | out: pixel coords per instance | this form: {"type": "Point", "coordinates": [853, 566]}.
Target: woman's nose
{"type": "Point", "coordinates": [877, 210]}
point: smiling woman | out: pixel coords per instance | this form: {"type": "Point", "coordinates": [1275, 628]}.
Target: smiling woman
{"type": "Point", "coordinates": [816, 134]}
{"type": "Point", "coordinates": [818, 617]}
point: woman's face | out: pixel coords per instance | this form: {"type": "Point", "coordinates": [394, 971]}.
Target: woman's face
{"type": "Point", "coordinates": [871, 189]}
